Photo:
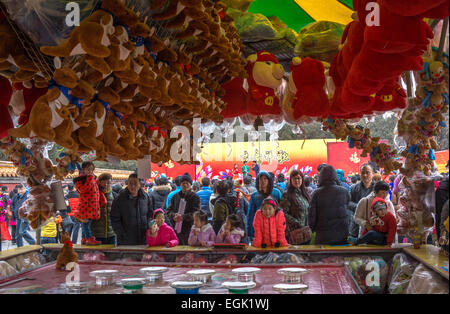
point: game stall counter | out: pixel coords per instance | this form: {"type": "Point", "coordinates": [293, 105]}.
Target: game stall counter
{"type": "Point", "coordinates": [331, 269]}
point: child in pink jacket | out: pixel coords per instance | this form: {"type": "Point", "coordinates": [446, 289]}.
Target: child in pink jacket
{"type": "Point", "coordinates": [160, 233]}
{"type": "Point", "coordinates": [230, 231]}
{"type": "Point", "coordinates": [202, 233]}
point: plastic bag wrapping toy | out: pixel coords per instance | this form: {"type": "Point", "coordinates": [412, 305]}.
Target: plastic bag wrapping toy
{"type": "Point", "coordinates": [45, 20]}
{"type": "Point", "coordinates": [319, 40]}
{"type": "Point", "coordinates": [27, 261]}
{"type": "Point", "coordinates": [361, 267]}
{"type": "Point", "coordinates": [94, 256]}
{"type": "Point", "coordinates": [252, 26]}
{"type": "Point", "coordinates": [273, 258]}
{"type": "Point", "coordinates": [6, 270]}
{"type": "Point", "coordinates": [417, 205]}
{"type": "Point", "coordinates": [400, 274]}
{"type": "Point", "coordinates": [426, 281]}
{"type": "Point", "coordinates": [190, 258]}
{"type": "Point", "coordinates": [153, 257]}
{"type": "Point", "coordinates": [228, 259]}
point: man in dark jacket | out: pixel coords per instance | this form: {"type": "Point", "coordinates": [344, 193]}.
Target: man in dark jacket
{"type": "Point", "coordinates": [357, 192]}
{"type": "Point", "coordinates": [23, 226]}
{"type": "Point", "coordinates": [441, 197]}
{"type": "Point", "coordinates": [130, 213]}
{"type": "Point", "coordinates": [102, 229]}
{"type": "Point", "coordinates": [188, 200]}
{"type": "Point", "coordinates": [328, 209]}
{"type": "Point", "coordinates": [159, 193]}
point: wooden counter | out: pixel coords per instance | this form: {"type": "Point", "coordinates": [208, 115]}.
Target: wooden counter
{"type": "Point", "coordinates": [430, 256]}
{"type": "Point", "coordinates": [4, 255]}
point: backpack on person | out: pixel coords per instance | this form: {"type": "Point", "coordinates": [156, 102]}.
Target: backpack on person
{"type": "Point", "coordinates": [245, 193]}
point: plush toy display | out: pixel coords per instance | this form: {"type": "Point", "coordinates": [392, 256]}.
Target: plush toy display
{"type": "Point", "coordinates": [308, 80]}
{"type": "Point", "coordinates": [368, 66]}
{"type": "Point", "coordinates": [5, 97]}
{"type": "Point", "coordinates": [360, 138]}
{"type": "Point", "coordinates": [264, 77]}
{"type": "Point", "coordinates": [422, 123]}
{"type": "Point", "coordinates": [138, 78]}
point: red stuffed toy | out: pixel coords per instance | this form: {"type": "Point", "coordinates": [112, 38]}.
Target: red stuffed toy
{"type": "Point", "coordinates": [30, 95]}
{"type": "Point", "coordinates": [372, 69]}
{"type": "Point", "coordinates": [352, 41]}
{"type": "Point", "coordinates": [309, 79]}
{"type": "Point", "coordinates": [390, 97]}
{"type": "Point", "coordinates": [264, 77]}
{"type": "Point", "coordinates": [234, 98]}
{"type": "Point", "coordinates": [437, 9]}
{"type": "Point", "coordinates": [398, 34]}
{"type": "Point", "coordinates": [5, 97]}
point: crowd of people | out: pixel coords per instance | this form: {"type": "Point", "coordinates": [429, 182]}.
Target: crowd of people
{"type": "Point", "coordinates": [264, 211]}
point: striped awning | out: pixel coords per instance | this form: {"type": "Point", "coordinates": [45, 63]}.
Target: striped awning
{"type": "Point", "coordinates": [298, 13]}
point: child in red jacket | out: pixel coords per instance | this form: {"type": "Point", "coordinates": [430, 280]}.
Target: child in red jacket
{"type": "Point", "coordinates": [269, 225]}
{"type": "Point", "coordinates": [160, 233]}
{"type": "Point", "coordinates": [383, 225]}
{"type": "Point", "coordinates": [89, 203]}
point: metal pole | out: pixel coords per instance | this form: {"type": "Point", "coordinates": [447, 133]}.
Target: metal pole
{"type": "Point", "coordinates": [442, 39]}
{"type": "Point", "coordinates": [408, 84]}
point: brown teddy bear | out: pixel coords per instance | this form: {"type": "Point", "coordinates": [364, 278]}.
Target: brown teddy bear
{"type": "Point", "coordinates": [360, 138]}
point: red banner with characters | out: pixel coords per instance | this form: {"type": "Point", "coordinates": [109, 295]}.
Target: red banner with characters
{"type": "Point", "coordinates": [340, 156]}
{"type": "Point", "coordinates": [218, 159]}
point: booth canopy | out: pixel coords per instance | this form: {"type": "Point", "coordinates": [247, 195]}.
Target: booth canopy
{"type": "Point", "coordinates": [299, 13]}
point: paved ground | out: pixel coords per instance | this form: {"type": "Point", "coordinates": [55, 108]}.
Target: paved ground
{"type": "Point", "coordinates": [7, 245]}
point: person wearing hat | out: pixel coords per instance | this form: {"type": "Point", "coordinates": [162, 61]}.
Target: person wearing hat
{"type": "Point", "coordinates": [269, 225]}
{"type": "Point", "coordinates": [182, 207]}
{"type": "Point", "coordinates": [160, 233]}
{"type": "Point", "coordinates": [264, 185]}
{"type": "Point", "coordinates": [363, 212]}
{"type": "Point", "coordinates": [382, 225]}
{"type": "Point", "coordinates": [159, 192]}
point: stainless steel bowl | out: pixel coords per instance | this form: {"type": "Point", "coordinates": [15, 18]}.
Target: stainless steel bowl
{"type": "Point", "coordinates": [104, 278]}
{"type": "Point", "coordinates": [284, 288]}
{"type": "Point", "coordinates": [202, 275]}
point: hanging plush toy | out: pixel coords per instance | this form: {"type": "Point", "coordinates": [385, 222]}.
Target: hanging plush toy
{"type": "Point", "coordinates": [360, 138]}
{"type": "Point", "coordinates": [309, 80]}
{"type": "Point", "coordinates": [5, 97]}
{"type": "Point", "coordinates": [30, 95]}
{"type": "Point", "coordinates": [264, 77]}
{"type": "Point", "coordinates": [234, 98]}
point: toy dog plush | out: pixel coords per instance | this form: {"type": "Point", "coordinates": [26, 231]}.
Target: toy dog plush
{"type": "Point", "coordinates": [67, 253]}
